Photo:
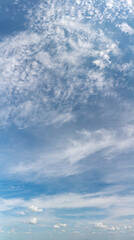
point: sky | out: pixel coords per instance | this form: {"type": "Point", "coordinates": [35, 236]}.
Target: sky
{"type": "Point", "coordinates": [66, 119]}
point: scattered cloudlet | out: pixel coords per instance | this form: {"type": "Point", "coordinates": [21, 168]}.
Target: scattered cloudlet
{"type": "Point", "coordinates": [35, 209]}
{"type": "Point", "coordinates": [126, 28]}
{"type": "Point", "coordinates": [60, 225]}
{"type": "Point", "coordinates": [106, 227]}
{"type": "Point", "coordinates": [127, 227]}
{"type": "Point", "coordinates": [63, 225]}
{"type": "Point", "coordinates": [33, 220]}
{"type": "Point", "coordinates": [56, 226]}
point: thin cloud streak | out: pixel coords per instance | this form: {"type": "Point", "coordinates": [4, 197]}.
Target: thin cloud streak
{"type": "Point", "coordinates": [106, 143]}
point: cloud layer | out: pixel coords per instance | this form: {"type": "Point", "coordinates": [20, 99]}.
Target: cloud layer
{"type": "Point", "coordinates": [59, 61]}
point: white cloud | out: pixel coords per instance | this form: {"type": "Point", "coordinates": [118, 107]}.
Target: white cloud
{"type": "Point", "coordinates": [63, 118]}
{"type": "Point", "coordinates": [99, 200]}
{"type": "Point", "coordinates": [32, 72]}
{"type": "Point", "coordinates": [100, 225]}
{"type": "Point", "coordinates": [63, 225]}
{"type": "Point", "coordinates": [109, 3]}
{"type": "Point", "coordinates": [127, 227]}
{"type": "Point", "coordinates": [56, 226]}
{"type": "Point", "coordinates": [33, 220]}
{"type": "Point", "coordinates": [112, 205]}
{"type": "Point", "coordinates": [126, 28]}
{"type": "Point", "coordinates": [82, 146]}
{"type": "Point", "coordinates": [106, 227]}
{"type": "Point", "coordinates": [130, 2]}
{"type": "Point", "coordinates": [69, 200]}
{"type": "Point", "coordinates": [35, 209]}
{"type": "Point", "coordinates": [8, 204]}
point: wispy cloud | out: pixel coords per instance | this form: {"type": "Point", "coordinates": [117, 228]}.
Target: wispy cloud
{"type": "Point", "coordinates": [59, 46]}
{"type": "Point", "coordinates": [66, 160]}
{"type": "Point", "coordinates": [112, 205]}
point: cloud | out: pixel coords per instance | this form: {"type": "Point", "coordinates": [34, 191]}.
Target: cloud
{"type": "Point", "coordinates": [126, 28]}
{"type": "Point", "coordinates": [56, 226]}
{"type": "Point", "coordinates": [62, 201]}
{"type": "Point", "coordinates": [113, 206]}
{"type": "Point", "coordinates": [100, 225]}
{"type": "Point", "coordinates": [22, 213]}
{"type": "Point", "coordinates": [35, 209]}
{"type": "Point", "coordinates": [130, 2]}
{"type": "Point", "coordinates": [60, 225]}
{"type": "Point", "coordinates": [83, 146]}
{"type": "Point", "coordinates": [8, 204]}
{"type": "Point", "coordinates": [127, 227]}
{"type": "Point", "coordinates": [56, 64]}
{"type": "Point", "coordinates": [62, 118]}
{"type": "Point", "coordinates": [109, 3]}
{"type": "Point", "coordinates": [75, 201]}
{"type": "Point", "coordinates": [106, 227]}
{"type": "Point", "coordinates": [63, 225]}
{"type": "Point", "coordinates": [33, 220]}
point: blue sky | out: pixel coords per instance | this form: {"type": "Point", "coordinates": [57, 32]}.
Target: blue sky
{"type": "Point", "coordinates": [66, 119]}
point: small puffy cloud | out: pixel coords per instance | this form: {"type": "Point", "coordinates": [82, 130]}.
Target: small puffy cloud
{"type": "Point", "coordinates": [63, 225]}
{"type": "Point", "coordinates": [127, 227]}
{"type": "Point", "coordinates": [101, 225]}
{"type": "Point", "coordinates": [113, 228]}
{"type": "Point", "coordinates": [56, 226]}
{"type": "Point", "coordinates": [126, 28]}
{"type": "Point", "coordinates": [109, 3]}
{"type": "Point", "coordinates": [106, 227]}
{"type": "Point", "coordinates": [60, 225]}
{"type": "Point", "coordinates": [33, 220]}
{"type": "Point", "coordinates": [35, 209]}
